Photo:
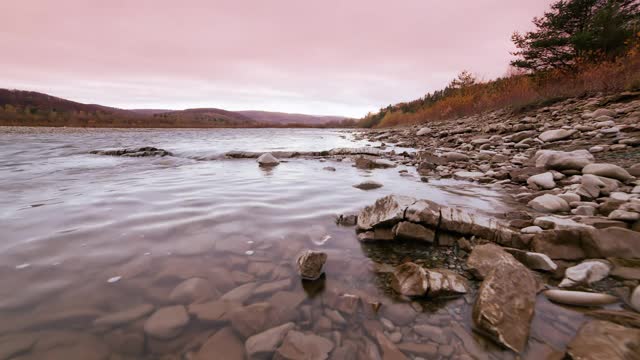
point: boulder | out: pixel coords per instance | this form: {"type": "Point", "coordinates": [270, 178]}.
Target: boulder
{"type": "Point", "coordinates": [423, 131]}
{"type": "Point", "coordinates": [598, 339]}
{"type": "Point", "coordinates": [406, 230]}
{"type": "Point", "coordinates": [268, 160]}
{"type": "Point", "coordinates": [550, 204]}
{"type": "Point", "coordinates": [542, 181]}
{"type": "Point", "coordinates": [224, 344]}
{"type": "Point", "coordinates": [585, 273]}
{"type": "Point", "coordinates": [263, 345]}
{"type": "Point", "coordinates": [579, 298]}
{"type": "Point", "coordinates": [555, 135]}
{"type": "Point", "coordinates": [386, 212]}
{"type": "Point", "coordinates": [251, 319]}
{"type": "Point", "coordinates": [166, 322]}
{"type": "Point", "coordinates": [297, 345]}
{"type": "Point", "coordinates": [506, 299]}
{"type": "Point", "coordinates": [609, 171]}
{"type": "Point", "coordinates": [561, 160]}
{"type": "Point", "coordinates": [410, 279]}
{"type": "Point", "coordinates": [310, 264]}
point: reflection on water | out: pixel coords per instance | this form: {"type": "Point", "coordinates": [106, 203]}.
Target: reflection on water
{"type": "Point", "coordinates": [86, 236]}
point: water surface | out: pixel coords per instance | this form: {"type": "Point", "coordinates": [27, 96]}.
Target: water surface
{"type": "Point", "coordinates": [86, 235]}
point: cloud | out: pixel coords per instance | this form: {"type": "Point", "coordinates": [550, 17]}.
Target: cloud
{"type": "Point", "coordinates": [329, 57]}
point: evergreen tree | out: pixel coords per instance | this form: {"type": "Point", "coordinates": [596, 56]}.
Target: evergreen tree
{"type": "Point", "coordinates": [578, 30]}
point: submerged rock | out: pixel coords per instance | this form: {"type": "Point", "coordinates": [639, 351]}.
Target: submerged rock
{"type": "Point", "coordinates": [125, 316]}
{"type": "Point", "coordinates": [268, 160]}
{"type": "Point", "coordinates": [137, 152]}
{"type": "Point", "coordinates": [225, 344]}
{"type": "Point", "coordinates": [310, 264]}
{"type": "Point", "coordinates": [264, 344]}
{"type": "Point", "coordinates": [167, 322]}
{"type": "Point", "coordinates": [297, 345]}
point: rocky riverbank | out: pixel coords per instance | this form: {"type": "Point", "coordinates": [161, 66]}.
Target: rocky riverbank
{"type": "Point", "coordinates": [574, 167]}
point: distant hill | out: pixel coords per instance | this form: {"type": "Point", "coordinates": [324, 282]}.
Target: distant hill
{"type": "Point", "coordinates": [29, 108]}
{"type": "Point", "coordinates": [286, 118]}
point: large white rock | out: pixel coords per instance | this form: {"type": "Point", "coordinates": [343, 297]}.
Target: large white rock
{"type": "Point", "coordinates": [580, 298]}
{"type": "Point", "coordinates": [542, 181]}
{"type": "Point", "coordinates": [268, 160]}
{"type": "Point", "coordinates": [561, 160]}
{"type": "Point", "coordinates": [585, 273]}
{"type": "Point", "coordinates": [423, 131]}
{"type": "Point", "coordinates": [635, 299]}
{"type": "Point", "coordinates": [555, 135]}
{"type": "Point", "coordinates": [608, 170]}
{"type": "Point", "coordinates": [550, 204]}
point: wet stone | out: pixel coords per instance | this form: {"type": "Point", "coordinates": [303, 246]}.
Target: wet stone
{"type": "Point", "coordinates": [167, 322]}
{"type": "Point", "coordinates": [310, 264]}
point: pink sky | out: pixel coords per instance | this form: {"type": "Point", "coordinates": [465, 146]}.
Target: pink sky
{"type": "Point", "coordinates": [318, 57]}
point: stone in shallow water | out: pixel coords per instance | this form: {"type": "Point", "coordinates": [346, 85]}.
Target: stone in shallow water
{"type": "Point", "coordinates": [268, 160]}
{"type": "Point", "coordinates": [167, 322]}
{"type": "Point", "coordinates": [251, 319]}
{"type": "Point", "coordinates": [225, 344]}
{"type": "Point", "coordinates": [506, 299]}
{"type": "Point", "coordinates": [386, 212]}
{"type": "Point", "coordinates": [264, 344]}
{"type": "Point", "coordinates": [310, 264]}
{"type": "Point", "coordinates": [599, 339]}
{"type": "Point", "coordinates": [297, 345]}
{"type": "Point", "coordinates": [240, 294]}
{"type": "Point", "coordinates": [368, 185]}
{"type": "Point", "coordinates": [410, 279]}
{"type": "Point", "coordinates": [579, 298]}
{"type": "Point", "coordinates": [444, 282]}
{"type": "Point", "coordinates": [213, 311]}
{"type": "Point", "coordinates": [125, 316]}
{"type": "Point", "coordinates": [191, 291]}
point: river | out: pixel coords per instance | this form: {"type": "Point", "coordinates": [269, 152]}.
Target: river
{"type": "Point", "coordinates": [84, 236]}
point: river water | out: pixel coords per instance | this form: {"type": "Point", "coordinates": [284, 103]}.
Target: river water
{"type": "Point", "coordinates": [83, 236]}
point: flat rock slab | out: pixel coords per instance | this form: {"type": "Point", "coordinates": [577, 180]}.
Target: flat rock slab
{"type": "Point", "coordinates": [167, 322]}
{"type": "Point", "coordinates": [599, 339]}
